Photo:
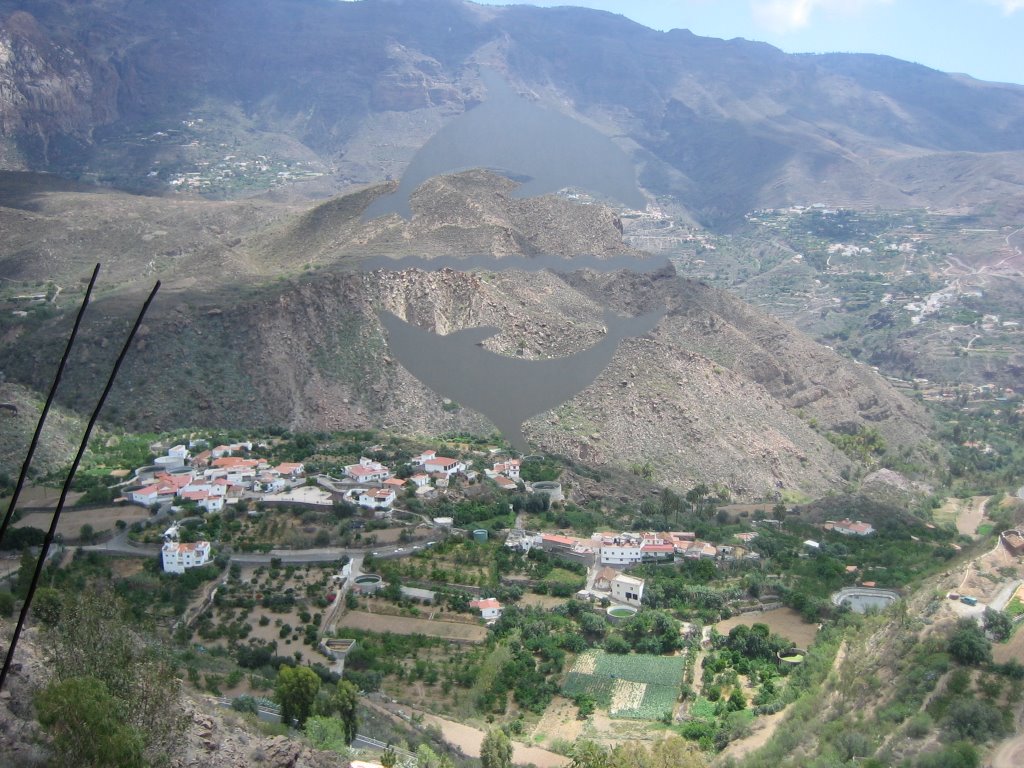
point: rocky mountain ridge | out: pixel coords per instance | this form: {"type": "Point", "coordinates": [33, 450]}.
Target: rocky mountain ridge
{"type": "Point", "coordinates": [715, 128]}
{"type": "Point", "coordinates": [716, 393]}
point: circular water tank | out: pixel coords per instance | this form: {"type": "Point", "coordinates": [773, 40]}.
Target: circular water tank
{"type": "Point", "coordinates": [617, 613]}
{"type": "Point", "coordinates": [368, 583]}
{"type": "Point", "coordinates": [551, 488]}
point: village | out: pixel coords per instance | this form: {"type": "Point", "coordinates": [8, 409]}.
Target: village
{"type": "Point", "coordinates": [414, 572]}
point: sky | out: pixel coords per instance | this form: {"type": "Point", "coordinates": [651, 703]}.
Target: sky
{"type": "Point", "coordinates": [981, 38]}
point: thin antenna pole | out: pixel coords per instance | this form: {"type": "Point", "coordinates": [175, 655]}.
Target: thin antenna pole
{"type": "Point", "coordinates": [67, 487]}
{"type": "Point", "coordinates": [46, 407]}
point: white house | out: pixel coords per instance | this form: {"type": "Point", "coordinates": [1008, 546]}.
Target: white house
{"type": "Point", "coordinates": [374, 498]}
{"type": "Point", "coordinates": [444, 464]}
{"type": "Point", "coordinates": [420, 479]}
{"type": "Point", "coordinates": [489, 608]}
{"type": "Point", "coordinates": [423, 458]}
{"type": "Point", "coordinates": [157, 493]}
{"type": "Point", "coordinates": [211, 502]}
{"type": "Point", "coordinates": [368, 471]}
{"type": "Point", "coordinates": [178, 556]}
{"type": "Point", "coordinates": [627, 589]}
{"type": "Point", "coordinates": [509, 469]}
{"type": "Point", "coordinates": [848, 527]}
{"type": "Point", "coordinates": [291, 469]}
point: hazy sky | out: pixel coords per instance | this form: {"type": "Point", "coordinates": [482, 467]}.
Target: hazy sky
{"type": "Point", "coordinates": [982, 38]}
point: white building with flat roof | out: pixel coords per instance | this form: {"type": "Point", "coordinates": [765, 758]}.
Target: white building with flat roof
{"type": "Point", "coordinates": [627, 589]}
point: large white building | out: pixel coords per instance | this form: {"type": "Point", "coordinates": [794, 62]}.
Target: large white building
{"type": "Point", "coordinates": [621, 554]}
{"type": "Point", "coordinates": [177, 556]}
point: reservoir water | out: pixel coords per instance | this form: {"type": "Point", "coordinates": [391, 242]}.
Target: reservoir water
{"type": "Point", "coordinates": [545, 149]}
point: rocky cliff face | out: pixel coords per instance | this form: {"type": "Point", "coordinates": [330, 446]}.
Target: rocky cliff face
{"type": "Point", "coordinates": [52, 96]}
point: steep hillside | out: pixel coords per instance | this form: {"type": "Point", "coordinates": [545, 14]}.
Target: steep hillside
{"type": "Point", "coordinates": [231, 99]}
{"type": "Point", "coordinates": [716, 392]}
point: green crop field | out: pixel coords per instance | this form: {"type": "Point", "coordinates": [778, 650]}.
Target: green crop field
{"type": "Point", "coordinates": [634, 686]}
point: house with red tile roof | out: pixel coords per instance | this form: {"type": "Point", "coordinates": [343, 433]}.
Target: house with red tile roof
{"type": "Point", "coordinates": [368, 471]}
{"type": "Point", "coordinates": [506, 483]}
{"type": "Point", "coordinates": [489, 608]}
{"type": "Point", "coordinates": [291, 469]}
{"type": "Point", "coordinates": [204, 499]}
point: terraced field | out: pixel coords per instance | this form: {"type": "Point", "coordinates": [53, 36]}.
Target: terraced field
{"type": "Point", "coordinates": [633, 686]}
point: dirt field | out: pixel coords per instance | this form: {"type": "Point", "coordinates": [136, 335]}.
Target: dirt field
{"type": "Point", "coordinates": [72, 520]}
{"type": "Point", "coordinates": [966, 514]}
{"type": "Point", "coordinates": [40, 496]}
{"type": "Point", "coordinates": [1011, 649]}
{"type": "Point", "coordinates": [541, 601]}
{"type": "Point", "coordinates": [784, 621]}
{"type": "Point", "coordinates": [559, 720]}
{"type": "Point", "coordinates": [401, 625]}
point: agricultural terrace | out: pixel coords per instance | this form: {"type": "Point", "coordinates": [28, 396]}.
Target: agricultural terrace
{"type": "Point", "coordinates": [408, 625]}
{"type": "Point", "coordinates": [461, 562]}
{"type": "Point", "coordinates": [634, 686]}
{"type": "Point", "coordinates": [280, 606]}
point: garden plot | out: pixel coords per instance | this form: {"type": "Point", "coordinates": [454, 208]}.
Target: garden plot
{"type": "Point", "coordinates": [634, 686]}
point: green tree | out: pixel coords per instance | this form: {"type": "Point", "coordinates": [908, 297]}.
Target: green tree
{"type": "Point", "coordinates": [998, 624]}
{"type": "Point", "coordinates": [6, 604]}
{"type": "Point", "coordinates": [346, 702]}
{"type": "Point", "coordinates": [86, 533]}
{"type": "Point", "coordinates": [589, 754]}
{"type": "Point", "coordinates": [426, 757]}
{"type": "Point", "coordinates": [86, 725]}
{"type": "Point", "coordinates": [327, 733]}
{"type": "Point", "coordinates": [46, 605]}
{"type": "Point", "coordinates": [496, 750]}
{"type": "Point", "coordinates": [968, 644]}
{"type": "Point", "coordinates": [389, 758]}
{"type": "Point", "coordinates": [296, 691]}
{"type": "Point", "coordinates": [676, 752]}
{"type": "Point", "coordinates": [737, 700]}
{"type": "Point", "coordinates": [26, 569]}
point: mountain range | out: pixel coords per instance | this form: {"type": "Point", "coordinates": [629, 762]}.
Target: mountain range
{"type": "Point", "coordinates": [715, 128]}
{"type": "Point", "coordinates": [233, 150]}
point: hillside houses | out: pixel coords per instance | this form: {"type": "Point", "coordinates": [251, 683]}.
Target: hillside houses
{"type": "Point", "coordinates": [211, 479]}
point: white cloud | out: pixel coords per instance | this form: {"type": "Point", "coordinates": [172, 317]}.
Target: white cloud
{"type": "Point", "coordinates": [788, 15]}
{"type": "Point", "coordinates": [1009, 6]}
